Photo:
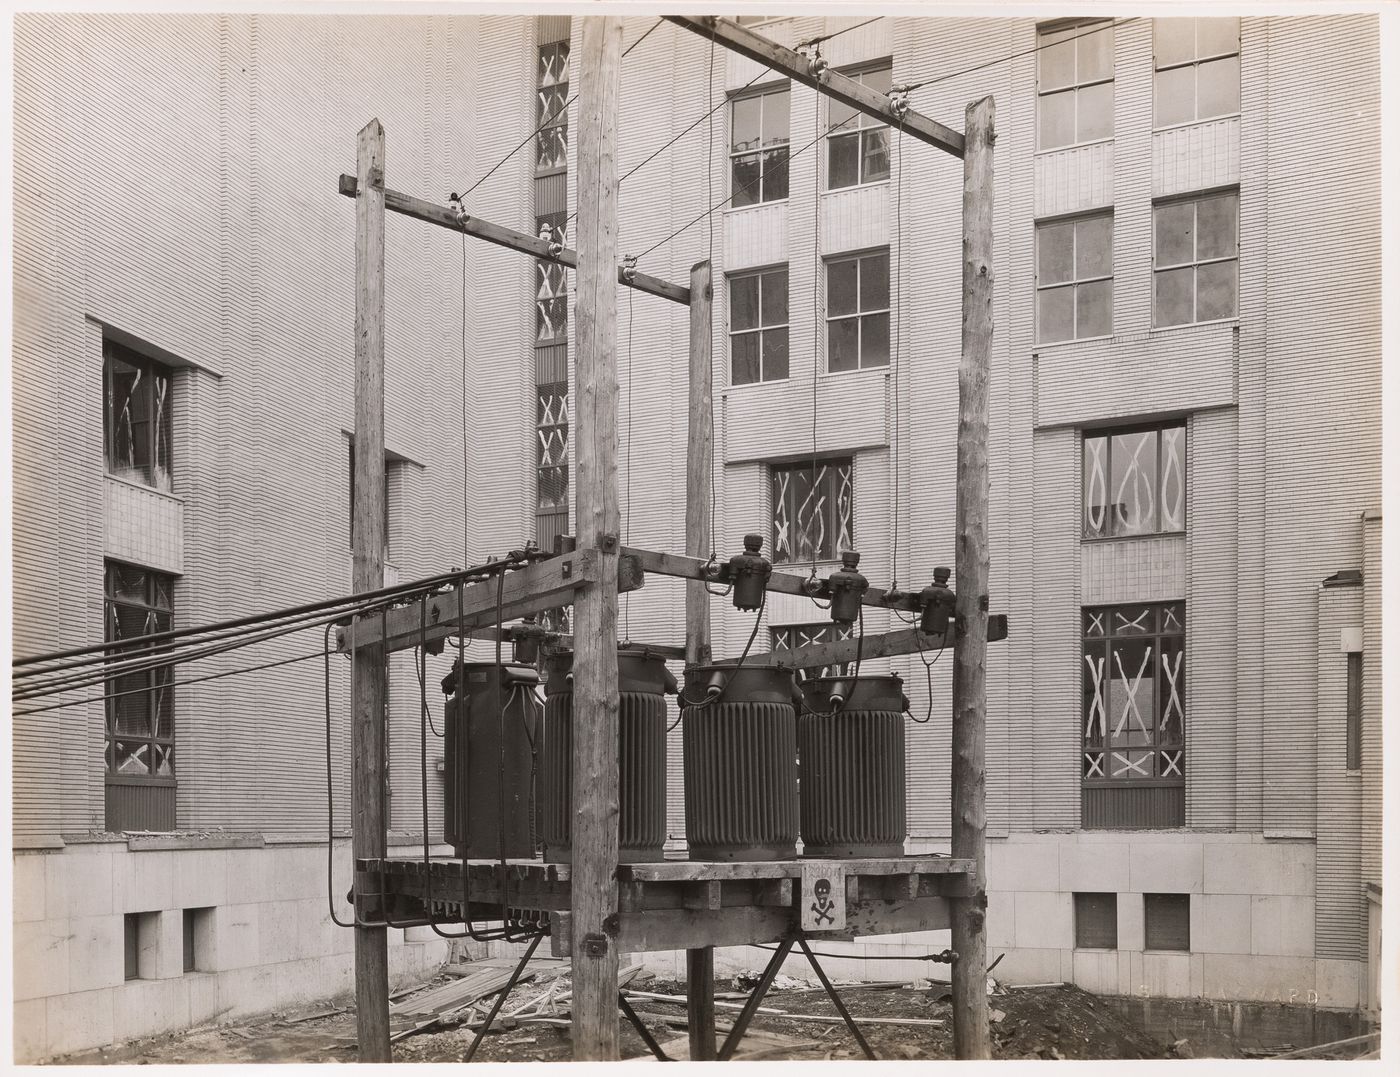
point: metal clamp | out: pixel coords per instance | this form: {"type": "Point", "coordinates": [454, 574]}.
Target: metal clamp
{"type": "Point", "coordinates": [629, 268]}
{"type": "Point", "coordinates": [899, 98]}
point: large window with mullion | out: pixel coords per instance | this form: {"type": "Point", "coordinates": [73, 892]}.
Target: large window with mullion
{"type": "Point", "coordinates": [551, 112]}
{"type": "Point", "coordinates": [1074, 278]}
{"type": "Point", "coordinates": [758, 146]}
{"type": "Point", "coordinates": [1074, 84]}
{"type": "Point", "coordinates": [136, 417]}
{"type": "Point", "coordinates": [813, 510]}
{"type": "Point", "coordinates": [758, 326]}
{"type": "Point", "coordinates": [858, 145]}
{"type": "Point", "coordinates": [858, 311]}
{"type": "Point", "coordinates": [1135, 481]}
{"type": "Point", "coordinates": [1195, 259]}
{"type": "Point", "coordinates": [1196, 70]}
{"type": "Point", "coordinates": [140, 704]}
{"type": "Point", "coordinates": [1133, 667]}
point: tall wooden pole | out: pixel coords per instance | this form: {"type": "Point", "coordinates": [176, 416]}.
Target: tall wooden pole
{"type": "Point", "coordinates": [700, 961]}
{"type": "Point", "coordinates": [595, 772]}
{"type": "Point", "coordinates": [367, 731]}
{"type": "Point", "coordinates": [971, 1035]}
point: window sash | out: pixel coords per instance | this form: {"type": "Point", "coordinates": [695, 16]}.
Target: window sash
{"type": "Point", "coordinates": [1161, 309]}
{"type": "Point", "coordinates": [865, 320]}
{"type": "Point", "coordinates": [1076, 281]}
{"type": "Point", "coordinates": [1074, 36]}
{"type": "Point", "coordinates": [813, 516]}
{"type": "Point", "coordinates": [139, 727]}
{"type": "Point", "coordinates": [769, 154]}
{"type": "Point", "coordinates": [769, 337]}
{"type": "Point", "coordinates": [1168, 483]}
{"type": "Point", "coordinates": [136, 417]}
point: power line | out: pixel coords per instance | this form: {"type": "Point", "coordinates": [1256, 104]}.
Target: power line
{"type": "Point", "coordinates": [1018, 55]}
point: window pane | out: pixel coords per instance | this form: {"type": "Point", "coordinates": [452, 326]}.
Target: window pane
{"type": "Point", "coordinates": [775, 354]}
{"type": "Point", "coordinates": [875, 155]}
{"type": "Point", "coordinates": [875, 340]}
{"type": "Point", "coordinates": [1094, 307]}
{"type": "Point", "coordinates": [875, 282]}
{"type": "Point", "coordinates": [1055, 314]}
{"type": "Point", "coordinates": [1214, 36]}
{"type": "Point", "coordinates": [1174, 225]}
{"type": "Point", "coordinates": [1173, 41]}
{"type": "Point", "coordinates": [841, 293]}
{"type": "Point", "coordinates": [1055, 253]}
{"type": "Point", "coordinates": [775, 174]}
{"type": "Point", "coordinates": [1093, 247]}
{"type": "Point", "coordinates": [1096, 921]}
{"type": "Point", "coordinates": [840, 115]}
{"type": "Point", "coordinates": [745, 182]}
{"type": "Point", "coordinates": [1096, 488]}
{"type": "Point", "coordinates": [1218, 87]}
{"type": "Point", "coordinates": [775, 118]}
{"type": "Point", "coordinates": [1174, 96]}
{"type": "Point", "coordinates": [843, 161]}
{"type": "Point", "coordinates": [743, 303]}
{"type": "Point", "coordinates": [744, 124]}
{"type": "Point", "coordinates": [133, 757]}
{"type": "Point", "coordinates": [842, 344]}
{"type": "Point", "coordinates": [1095, 52]}
{"type": "Point", "coordinates": [775, 298]}
{"type": "Point", "coordinates": [1215, 291]}
{"type": "Point", "coordinates": [878, 79]}
{"type": "Point", "coordinates": [1173, 479]}
{"type": "Point", "coordinates": [743, 357]}
{"type": "Point", "coordinates": [1056, 63]}
{"type": "Point", "coordinates": [1133, 483]}
{"type": "Point", "coordinates": [1057, 120]}
{"type": "Point", "coordinates": [1171, 693]}
{"type": "Point", "coordinates": [1166, 921]}
{"type": "Point", "coordinates": [1217, 230]}
{"type": "Point", "coordinates": [1095, 112]}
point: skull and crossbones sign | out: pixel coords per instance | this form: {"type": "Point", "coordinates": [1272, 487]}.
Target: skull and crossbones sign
{"type": "Point", "coordinates": [823, 905]}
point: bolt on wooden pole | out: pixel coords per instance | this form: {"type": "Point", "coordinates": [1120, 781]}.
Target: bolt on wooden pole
{"type": "Point", "coordinates": [699, 961]}
{"type": "Point", "coordinates": [595, 763]}
{"type": "Point", "coordinates": [369, 838]}
{"type": "Point", "coordinates": [971, 1031]}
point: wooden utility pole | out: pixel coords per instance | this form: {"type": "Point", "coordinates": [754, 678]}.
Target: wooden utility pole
{"type": "Point", "coordinates": [971, 1035]}
{"type": "Point", "coordinates": [367, 731]}
{"type": "Point", "coordinates": [595, 769]}
{"type": "Point", "coordinates": [699, 962]}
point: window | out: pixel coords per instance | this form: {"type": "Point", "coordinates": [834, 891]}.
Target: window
{"type": "Point", "coordinates": [1074, 278]}
{"type": "Point", "coordinates": [140, 705]}
{"type": "Point", "coordinates": [1166, 921]}
{"type": "Point", "coordinates": [1075, 84]}
{"type": "Point", "coordinates": [196, 924]}
{"type": "Point", "coordinates": [1135, 481]}
{"type": "Point", "coordinates": [1354, 684]}
{"type": "Point", "coordinates": [812, 511]}
{"type": "Point", "coordinates": [136, 416]}
{"type": "Point", "coordinates": [858, 312]}
{"type": "Point", "coordinates": [758, 147]}
{"type": "Point", "coordinates": [858, 148]}
{"type": "Point", "coordinates": [1195, 259]}
{"type": "Point", "coordinates": [1197, 65]}
{"type": "Point", "coordinates": [791, 637]}
{"type": "Point", "coordinates": [131, 945]}
{"type": "Point", "coordinates": [758, 326]}
{"type": "Point", "coordinates": [1134, 694]}
{"type": "Point", "coordinates": [1096, 921]}
{"type": "Point", "coordinates": [551, 117]}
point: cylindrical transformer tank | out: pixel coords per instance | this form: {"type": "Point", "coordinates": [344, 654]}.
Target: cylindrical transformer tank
{"type": "Point", "coordinates": [489, 766]}
{"type": "Point", "coordinates": [740, 744]}
{"type": "Point", "coordinates": [850, 738]}
{"type": "Point", "coordinates": [642, 681]}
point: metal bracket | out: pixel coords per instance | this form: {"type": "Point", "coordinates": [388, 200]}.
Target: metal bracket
{"type": "Point", "coordinates": [595, 945]}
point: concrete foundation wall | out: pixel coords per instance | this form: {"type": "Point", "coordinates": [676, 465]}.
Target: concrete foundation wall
{"type": "Point", "coordinates": [264, 940]}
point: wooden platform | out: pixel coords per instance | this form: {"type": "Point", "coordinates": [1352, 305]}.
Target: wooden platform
{"type": "Point", "coordinates": [677, 904]}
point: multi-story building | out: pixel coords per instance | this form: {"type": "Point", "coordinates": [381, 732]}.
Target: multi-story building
{"type": "Point", "coordinates": [1184, 725]}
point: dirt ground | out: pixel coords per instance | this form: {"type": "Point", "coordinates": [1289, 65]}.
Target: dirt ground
{"type": "Point", "coordinates": [1028, 1023]}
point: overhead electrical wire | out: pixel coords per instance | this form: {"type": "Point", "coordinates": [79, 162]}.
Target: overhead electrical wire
{"type": "Point", "coordinates": [1018, 55]}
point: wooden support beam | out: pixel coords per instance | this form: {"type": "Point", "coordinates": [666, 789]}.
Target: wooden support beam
{"type": "Point", "coordinates": [593, 928]}
{"type": "Point", "coordinates": [369, 835]}
{"type": "Point", "coordinates": [699, 961]}
{"type": "Point", "coordinates": [885, 645]}
{"type": "Point", "coordinates": [971, 1031]}
{"type": "Point", "coordinates": [541, 586]}
{"type": "Point", "coordinates": [787, 583]}
{"type": "Point", "coordinates": [446, 217]}
{"type": "Point", "coordinates": [835, 85]}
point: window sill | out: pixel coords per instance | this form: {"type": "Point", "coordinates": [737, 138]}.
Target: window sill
{"type": "Point", "coordinates": [1041, 346]}
{"type": "Point", "coordinates": [870, 370]}
{"type": "Point", "coordinates": [136, 779]}
{"type": "Point", "coordinates": [1074, 146]}
{"type": "Point", "coordinates": [1233, 320]}
{"type": "Point", "coordinates": [756, 205]}
{"type": "Point", "coordinates": [1168, 953]}
{"type": "Point", "coordinates": [1196, 123]}
{"type": "Point", "coordinates": [1096, 949]}
{"type": "Point", "coordinates": [1097, 539]}
{"type": "Point", "coordinates": [144, 488]}
{"type": "Point", "coordinates": [871, 185]}
{"type": "Point", "coordinates": [731, 388]}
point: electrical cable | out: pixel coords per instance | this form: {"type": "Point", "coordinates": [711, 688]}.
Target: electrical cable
{"type": "Point", "coordinates": [836, 34]}
{"type": "Point", "coordinates": [717, 699]}
{"type": "Point", "coordinates": [424, 720]}
{"type": "Point", "coordinates": [928, 672]}
{"type": "Point", "coordinates": [627, 462]}
{"type": "Point", "coordinates": [710, 261]}
{"type": "Point", "coordinates": [1018, 55]}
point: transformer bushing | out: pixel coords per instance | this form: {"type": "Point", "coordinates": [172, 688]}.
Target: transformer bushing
{"type": "Point", "coordinates": [740, 748]}
{"type": "Point", "coordinates": [846, 586]}
{"type": "Point", "coordinates": [642, 681]}
{"type": "Point", "coordinates": [850, 740]}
